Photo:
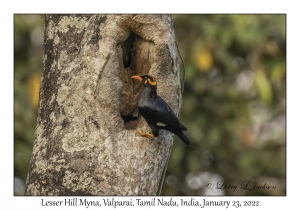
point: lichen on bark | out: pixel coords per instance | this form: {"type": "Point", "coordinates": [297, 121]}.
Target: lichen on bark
{"type": "Point", "coordinates": [85, 143]}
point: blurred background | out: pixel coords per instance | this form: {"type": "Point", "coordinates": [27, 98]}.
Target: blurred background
{"type": "Point", "coordinates": [234, 103]}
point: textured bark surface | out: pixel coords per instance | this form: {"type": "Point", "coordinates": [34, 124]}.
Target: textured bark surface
{"type": "Point", "coordinates": [85, 142]}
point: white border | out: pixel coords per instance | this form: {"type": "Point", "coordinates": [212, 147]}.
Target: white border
{"type": "Point", "coordinates": [155, 6]}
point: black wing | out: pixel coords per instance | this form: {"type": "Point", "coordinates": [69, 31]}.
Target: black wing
{"type": "Point", "coordinates": [158, 112]}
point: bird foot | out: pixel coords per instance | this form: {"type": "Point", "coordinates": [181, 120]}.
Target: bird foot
{"type": "Point", "coordinates": [147, 135]}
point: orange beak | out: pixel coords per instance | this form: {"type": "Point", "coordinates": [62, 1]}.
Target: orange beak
{"type": "Point", "coordinates": [137, 78]}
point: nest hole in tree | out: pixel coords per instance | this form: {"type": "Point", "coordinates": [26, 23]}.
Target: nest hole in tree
{"type": "Point", "coordinates": [135, 59]}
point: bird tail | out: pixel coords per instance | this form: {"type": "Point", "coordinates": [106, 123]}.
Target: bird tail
{"type": "Point", "coordinates": [183, 137]}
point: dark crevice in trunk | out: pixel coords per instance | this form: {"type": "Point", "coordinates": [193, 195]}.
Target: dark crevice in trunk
{"type": "Point", "coordinates": [127, 47]}
{"type": "Point", "coordinates": [134, 60]}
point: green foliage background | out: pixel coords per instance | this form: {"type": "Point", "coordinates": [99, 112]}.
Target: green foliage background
{"type": "Point", "coordinates": [234, 103]}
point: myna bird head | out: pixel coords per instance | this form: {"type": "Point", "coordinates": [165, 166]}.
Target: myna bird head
{"type": "Point", "coordinates": [146, 79]}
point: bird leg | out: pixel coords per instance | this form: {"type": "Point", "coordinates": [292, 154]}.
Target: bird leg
{"type": "Point", "coordinates": [147, 135]}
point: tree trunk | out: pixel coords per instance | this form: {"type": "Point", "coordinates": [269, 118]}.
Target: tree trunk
{"type": "Point", "coordinates": [85, 141]}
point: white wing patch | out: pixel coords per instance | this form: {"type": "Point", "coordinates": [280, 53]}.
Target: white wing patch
{"type": "Point", "coordinates": [161, 124]}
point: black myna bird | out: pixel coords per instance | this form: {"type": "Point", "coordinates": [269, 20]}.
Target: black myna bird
{"type": "Point", "coordinates": [157, 112]}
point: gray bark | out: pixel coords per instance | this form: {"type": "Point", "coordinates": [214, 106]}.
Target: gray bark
{"type": "Point", "coordinates": [85, 141]}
